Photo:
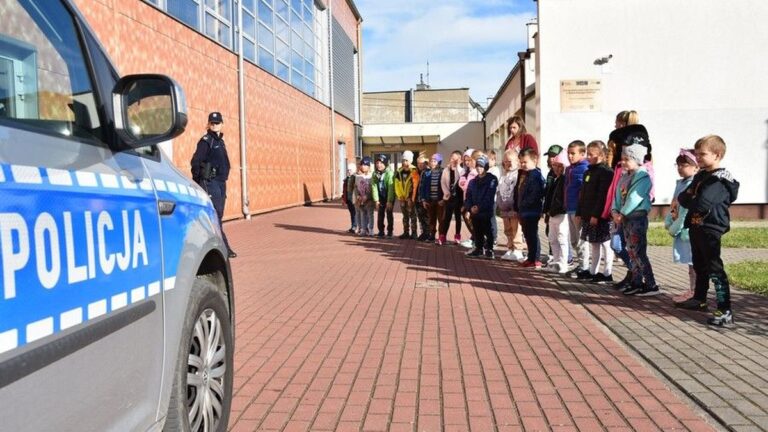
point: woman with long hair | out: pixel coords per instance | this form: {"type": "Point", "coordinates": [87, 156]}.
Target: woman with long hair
{"type": "Point", "coordinates": [519, 138]}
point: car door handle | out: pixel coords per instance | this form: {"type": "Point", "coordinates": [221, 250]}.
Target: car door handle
{"type": "Point", "coordinates": [166, 207]}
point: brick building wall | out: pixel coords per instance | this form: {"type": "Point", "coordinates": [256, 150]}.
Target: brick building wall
{"type": "Point", "coordinates": [288, 134]}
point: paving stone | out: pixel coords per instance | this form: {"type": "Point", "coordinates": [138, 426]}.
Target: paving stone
{"type": "Point", "coordinates": [353, 333]}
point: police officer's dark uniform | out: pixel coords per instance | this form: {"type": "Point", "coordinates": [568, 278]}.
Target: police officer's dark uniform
{"type": "Point", "coordinates": [210, 169]}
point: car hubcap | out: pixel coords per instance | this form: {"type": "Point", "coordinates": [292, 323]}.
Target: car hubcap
{"type": "Point", "coordinates": [206, 367]}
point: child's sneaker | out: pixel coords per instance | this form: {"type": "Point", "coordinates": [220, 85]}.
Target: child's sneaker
{"type": "Point", "coordinates": [537, 265]}
{"type": "Point", "coordinates": [623, 284]}
{"type": "Point", "coordinates": [583, 275]}
{"type": "Point", "coordinates": [648, 291]}
{"type": "Point", "coordinates": [601, 278]}
{"type": "Point", "coordinates": [633, 289]}
{"type": "Point", "coordinates": [457, 239]}
{"type": "Point", "coordinates": [691, 304]}
{"type": "Point", "coordinates": [404, 236]}
{"type": "Point", "coordinates": [431, 238]}
{"type": "Point", "coordinates": [440, 240]}
{"type": "Point", "coordinates": [380, 234]}
{"type": "Point", "coordinates": [508, 256]}
{"type": "Point", "coordinates": [351, 230]}
{"type": "Point", "coordinates": [489, 254]}
{"type": "Point", "coordinates": [468, 243]}
{"type": "Point", "coordinates": [720, 318]}
{"type": "Point", "coordinates": [423, 237]}
{"type": "Point", "coordinates": [474, 253]}
{"type": "Point", "coordinates": [414, 236]}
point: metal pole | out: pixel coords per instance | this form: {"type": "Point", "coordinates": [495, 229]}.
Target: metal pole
{"type": "Point", "coordinates": [241, 100]}
{"type": "Point", "coordinates": [331, 99]}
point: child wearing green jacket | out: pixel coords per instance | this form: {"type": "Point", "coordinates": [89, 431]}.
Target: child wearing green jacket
{"type": "Point", "coordinates": [384, 195]}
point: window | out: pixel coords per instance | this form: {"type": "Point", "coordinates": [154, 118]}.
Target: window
{"type": "Point", "coordinates": [44, 78]}
{"type": "Point", "coordinates": [249, 29]}
{"type": "Point", "coordinates": [216, 16]}
{"type": "Point", "coordinates": [265, 13]}
{"type": "Point", "coordinates": [284, 37]}
{"type": "Point", "coordinates": [266, 60]}
{"type": "Point", "coordinates": [187, 11]}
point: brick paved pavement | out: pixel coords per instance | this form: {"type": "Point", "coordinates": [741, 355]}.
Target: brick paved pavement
{"type": "Point", "coordinates": [336, 332]}
{"type": "Point", "coordinates": [725, 370]}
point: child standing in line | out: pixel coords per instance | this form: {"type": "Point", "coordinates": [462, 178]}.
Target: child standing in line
{"type": "Point", "coordinates": [630, 210]}
{"type": "Point", "coordinates": [453, 198]}
{"type": "Point", "coordinates": [596, 230]}
{"type": "Point", "coordinates": [574, 178]}
{"type": "Point", "coordinates": [432, 195]}
{"type": "Point", "coordinates": [674, 222]}
{"type": "Point", "coordinates": [494, 169]}
{"type": "Point", "coordinates": [384, 194]}
{"type": "Point", "coordinates": [481, 195]}
{"type": "Point", "coordinates": [364, 197]}
{"type": "Point", "coordinates": [406, 187]}
{"type": "Point", "coordinates": [554, 208]}
{"type": "Point", "coordinates": [422, 164]}
{"type": "Point", "coordinates": [552, 152]}
{"type": "Point", "coordinates": [529, 196]}
{"type": "Point", "coordinates": [707, 199]}
{"type": "Point", "coordinates": [505, 201]}
{"type": "Point", "coordinates": [346, 195]}
{"type": "Point", "coordinates": [469, 174]}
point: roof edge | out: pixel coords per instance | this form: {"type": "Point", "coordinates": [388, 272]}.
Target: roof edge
{"type": "Point", "coordinates": [355, 10]}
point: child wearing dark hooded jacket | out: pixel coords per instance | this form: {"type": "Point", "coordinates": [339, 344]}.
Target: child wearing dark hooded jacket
{"type": "Point", "coordinates": [480, 200]}
{"type": "Point", "coordinates": [707, 199]}
{"type": "Point", "coordinates": [529, 197]}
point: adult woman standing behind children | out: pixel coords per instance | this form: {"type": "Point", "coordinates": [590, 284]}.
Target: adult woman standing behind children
{"type": "Point", "coordinates": [519, 138]}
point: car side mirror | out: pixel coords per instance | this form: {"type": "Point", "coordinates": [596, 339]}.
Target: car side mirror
{"type": "Point", "coordinates": [149, 109]}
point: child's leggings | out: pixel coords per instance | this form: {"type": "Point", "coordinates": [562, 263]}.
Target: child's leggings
{"type": "Point", "coordinates": [607, 254]}
{"type": "Point", "coordinates": [636, 231]}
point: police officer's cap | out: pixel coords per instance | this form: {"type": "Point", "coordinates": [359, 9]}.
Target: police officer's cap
{"type": "Point", "coordinates": [215, 117]}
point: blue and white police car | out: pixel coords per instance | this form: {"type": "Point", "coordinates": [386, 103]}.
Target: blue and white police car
{"type": "Point", "coordinates": [116, 305]}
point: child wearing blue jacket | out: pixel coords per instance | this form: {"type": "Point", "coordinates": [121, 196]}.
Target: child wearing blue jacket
{"type": "Point", "coordinates": [480, 200]}
{"type": "Point", "coordinates": [528, 204]}
{"type": "Point", "coordinates": [631, 204]}
{"type": "Point", "coordinates": [574, 180]}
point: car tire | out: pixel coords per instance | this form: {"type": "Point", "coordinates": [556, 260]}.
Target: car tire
{"type": "Point", "coordinates": [201, 396]}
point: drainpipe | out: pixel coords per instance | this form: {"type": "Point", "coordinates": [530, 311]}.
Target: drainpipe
{"type": "Point", "coordinates": [521, 58]}
{"type": "Point", "coordinates": [241, 100]}
{"type": "Point", "coordinates": [334, 144]}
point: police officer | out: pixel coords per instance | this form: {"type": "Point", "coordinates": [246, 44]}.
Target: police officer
{"type": "Point", "coordinates": [210, 167]}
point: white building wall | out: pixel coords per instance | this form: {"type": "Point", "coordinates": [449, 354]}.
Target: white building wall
{"type": "Point", "coordinates": [688, 68]}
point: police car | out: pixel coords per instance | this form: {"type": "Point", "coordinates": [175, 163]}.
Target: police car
{"type": "Point", "coordinates": [116, 306]}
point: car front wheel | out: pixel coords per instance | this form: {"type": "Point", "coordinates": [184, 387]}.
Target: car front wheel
{"type": "Point", "coordinates": [202, 391]}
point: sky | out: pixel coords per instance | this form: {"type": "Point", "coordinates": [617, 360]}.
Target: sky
{"type": "Point", "coordinates": [468, 43]}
